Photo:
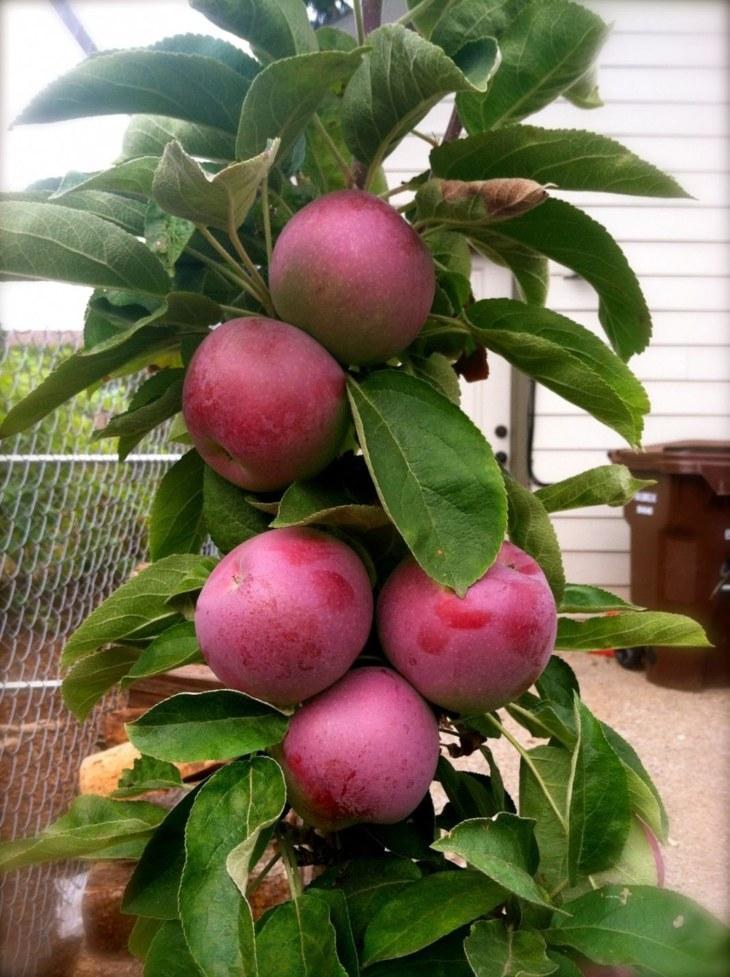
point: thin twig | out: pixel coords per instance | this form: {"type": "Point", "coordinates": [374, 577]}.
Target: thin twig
{"type": "Point", "coordinates": [235, 277]}
{"type": "Point", "coordinates": [453, 128]}
{"type": "Point", "coordinates": [251, 268]}
{"type": "Point", "coordinates": [431, 140]}
{"type": "Point", "coordinates": [262, 874]}
{"type": "Point", "coordinates": [359, 22]}
{"type": "Point", "coordinates": [267, 218]}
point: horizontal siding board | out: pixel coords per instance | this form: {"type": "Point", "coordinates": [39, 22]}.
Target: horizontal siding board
{"type": "Point", "coordinates": [591, 535]}
{"type": "Point", "coordinates": [707, 16]}
{"type": "Point", "coordinates": [636, 119]}
{"type": "Point", "coordinates": [600, 569]}
{"type": "Point", "coordinates": [558, 433]}
{"type": "Point", "coordinates": [663, 84]}
{"type": "Point", "coordinates": [690, 49]}
{"type": "Point", "coordinates": [708, 294]}
{"type": "Point", "coordinates": [660, 258]}
{"type": "Point", "coordinates": [671, 398]}
{"type": "Point", "coordinates": [672, 327]}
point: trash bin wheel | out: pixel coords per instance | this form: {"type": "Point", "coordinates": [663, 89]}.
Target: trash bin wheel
{"type": "Point", "coordinates": [632, 658]}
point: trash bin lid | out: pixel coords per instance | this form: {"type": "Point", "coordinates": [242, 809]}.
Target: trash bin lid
{"type": "Point", "coordinates": [709, 459]}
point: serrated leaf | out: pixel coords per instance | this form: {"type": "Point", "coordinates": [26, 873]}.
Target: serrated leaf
{"type": "Point", "coordinates": [285, 96]}
{"type": "Point", "coordinates": [606, 485]}
{"type": "Point", "coordinates": [599, 816]}
{"type": "Point", "coordinates": [138, 609]}
{"type": "Point", "coordinates": [299, 940]}
{"type": "Point", "coordinates": [152, 888]}
{"type": "Point", "coordinates": [94, 675]}
{"type": "Point", "coordinates": [565, 357]}
{"type": "Point", "coordinates": [185, 86]}
{"type": "Point", "coordinates": [548, 773]}
{"type": "Point", "coordinates": [645, 800]}
{"type": "Point", "coordinates": [158, 398]}
{"type": "Point", "coordinates": [147, 135]}
{"type": "Point", "coordinates": [211, 47]}
{"type": "Point", "coordinates": [437, 370]}
{"type": "Point", "coordinates": [462, 205]}
{"type": "Point", "coordinates": [572, 238]}
{"type": "Point", "coordinates": [545, 50]}
{"type": "Point", "coordinates": [213, 725]}
{"type": "Point", "coordinates": [495, 949]}
{"type": "Point", "coordinates": [176, 646]}
{"type": "Point", "coordinates": [630, 630]}
{"type": "Point", "coordinates": [125, 213]}
{"type": "Point", "coordinates": [585, 93]}
{"type": "Point", "coordinates": [465, 21]}
{"type": "Point", "coordinates": [130, 176]}
{"type": "Point", "coordinates": [93, 827]}
{"type": "Point", "coordinates": [530, 269]}
{"type": "Point", "coordinates": [147, 773]}
{"type": "Point", "coordinates": [445, 958]}
{"type": "Point", "coordinates": [571, 159]}
{"type": "Point", "coordinates": [318, 502]}
{"type": "Point", "coordinates": [581, 598]}
{"type": "Point", "coordinates": [426, 910]}
{"type": "Point", "coordinates": [228, 517]}
{"type": "Point", "coordinates": [445, 496]}
{"type": "Point", "coordinates": [396, 86]}
{"type": "Point", "coordinates": [230, 809]}
{"type": "Point", "coordinates": [168, 954]}
{"type": "Point", "coordinates": [50, 241]}
{"type": "Point", "coordinates": [503, 849]}
{"type": "Point", "coordinates": [166, 236]}
{"type": "Point", "coordinates": [274, 28]}
{"type": "Point", "coordinates": [649, 927]}
{"type": "Point", "coordinates": [182, 188]}
{"type": "Point", "coordinates": [529, 527]}
{"type": "Point", "coordinates": [176, 518]}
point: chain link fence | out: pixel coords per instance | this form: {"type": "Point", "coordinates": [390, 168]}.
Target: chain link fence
{"type": "Point", "coordinates": [72, 528]}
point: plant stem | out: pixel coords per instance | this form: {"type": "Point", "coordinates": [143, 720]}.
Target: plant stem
{"type": "Point", "coordinates": [234, 310]}
{"type": "Point", "coordinates": [233, 276]}
{"type": "Point", "coordinates": [394, 191]}
{"type": "Point", "coordinates": [263, 873]}
{"type": "Point", "coordinates": [409, 15]}
{"type": "Point", "coordinates": [359, 23]}
{"type": "Point", "coordinates": [533, 769]}
{"type": "Point", "coordinates": [455, 323]}
{"type": "Point", "coordinates": [292, 869]}
{"type": "Point", "coordinates": [431, 140]}
{"type": "Point", "coordinates": [334, 149]}
{"type": "Point", "coordinates": [281, 202]}
{"type": "Point", "coordinates": [453, 128]}
{"type": "Point", "coordinates": [251, 268]}
{"type": "Point", "coordinates": [267, 218]}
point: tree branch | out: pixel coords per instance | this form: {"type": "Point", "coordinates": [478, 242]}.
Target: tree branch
{"type": "Point", "coordinates": [453, 128]}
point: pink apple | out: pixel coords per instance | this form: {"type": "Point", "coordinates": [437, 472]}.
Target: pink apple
{"type": "Point", "coordinates": [475, 653]}
{"type": "Point", "coordinates": [284, 614]}
{"type": "Point", "coordinates": [364, 750]}
{"type": "Point", "coordinates": [264, 403]}
{"type": "Point", "coordinates": [354, 274]}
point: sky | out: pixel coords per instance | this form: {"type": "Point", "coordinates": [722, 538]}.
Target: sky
{"type": "Point", "coordinates": [35, 48]}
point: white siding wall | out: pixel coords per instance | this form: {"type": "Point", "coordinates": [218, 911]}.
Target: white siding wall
{"type": "Point", "coordinates": [664, 79]}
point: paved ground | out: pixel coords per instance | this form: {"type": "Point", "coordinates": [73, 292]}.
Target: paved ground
{"type": "Point", "coordinates": [683, 739]}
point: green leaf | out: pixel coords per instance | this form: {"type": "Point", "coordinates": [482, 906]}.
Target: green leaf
{"type": "Point", "coordinates": [463, 205]}
{"type": "Point", "coordinates": [566, 967]}
{"type": "Point", "coordinates": [213, 725]}
{"type": "Point", "coordinates": [437, 370]}
{"type": "Point", "coordinates": [232, 808]}
{"type": "Point", "coordinates": [470, 795]}
{"type": "Point", "coordinates": [298, 940]}
{"type": "Point", "coordinates": [130, 176]}
{"type": "Point", "coordinates": [630, 630]}
{"type": "Point", "coordinates": [159, 398]}
{"type": "Point", "coordinates": [139, 608]}
{"type": "Point", "coordinates": [558, 683]}
{"type": "Point", "coordinates": [144, 80]}
{"type": "Point", "coordinates": [176, 646]}
{"type": "Point", "coordinates": [599, 815]}
{"type": "Point", "coordinates": [426, 910]}
{"type": "Point", "coordinates": [181, 187]}
{"type": "Point", "coordinates": [151, 335]}
{"type": "Point", "coordinates": [176, 518]}
{"type": "Point", "coordinates": [548, 772]}
{"type": "Point", "coordinates": [565, 357]}
{"type": "Point", "coordinates": [228, 517]}
{"type": "Point", "coordinates": [581, 598]}
{"type": "Point", "coordinates": [274, 28]}
{"type": "Point", "coordinates": [504, 849]}
{"type": "Point", "coordinates": [396, 86]}
{"type": "Point", "coordinates": [318, 502]}
{"type": "Point", "coordinates": [368, 885]}
{"type": "Point", "coordinates": [48, 241]}
{"type": "Point", "coordinates": [142, 935]}
{"type": "Point", "coordinates": [93, 827]}
{"type": "Point", "coordinates": [147, 135]}
{"type": "Point", "coordinates": [445, 958]}
{"type": "Point", "coordinates": [340, 918]}
{"type": "Point", "coordinates": [530, 269]}
{"type": "Point", "coordinates": [465, 21]}
{"type": "Point", "coordinates": [147, 773]}
{"type": "Point", "coordinates": [94, 675]}
{"type": "Point", "coordinates": [606, 485]}
{"type": "Point", "coordinates": [153, 886]}
{"type": "Point", "coordinates": [545, 50]}
{"type": "Point", "coordinates": [645, 799]}
{"type": "Point", "coordinates": [168, 955]}
{"type": "Point", "coordinates": [571, 159]}
{"type": "Point", "coordinates": [529, 527]}
{"type": "Point", "coordinates": [166, 236]}
{"type": "Point", "coordinates": [572, 238]}
{"type": "Point", "coordinates": [653, 928]}
{"type": "Point", "coordinates": [585, 93]}
{"type": "Point", "coordinates": [495, 949]}
{"type": "Point", "coordinates": [211, 47]}
{"type": "Point", "coordinates": [125, 213]}
{"type": "Point", "coordinates": [445, 496]}
{"type": "Point", "coordinates": [285, 96]}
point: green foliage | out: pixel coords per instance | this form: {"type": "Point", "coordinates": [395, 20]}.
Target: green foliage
{"type": "Point", "coordinates": [176, 236]}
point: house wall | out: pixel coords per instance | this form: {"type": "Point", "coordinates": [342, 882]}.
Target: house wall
{"type": "Point", "coordinates": [664, 81]}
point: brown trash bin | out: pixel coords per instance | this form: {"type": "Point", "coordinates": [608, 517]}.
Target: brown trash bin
{"type": "Point", "coordinates": [680, 552]}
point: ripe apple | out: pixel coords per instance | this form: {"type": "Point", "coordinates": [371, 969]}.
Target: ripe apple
{"type": "Point", "coordinates": [364, 750]}
{"type": "Point", "coordinates": [474, 653]}
{"type": "Point", "coordinates": [354, 274]}
{"type": "Point", "coordinates": [264, 403]}
{"type": "Point", "coordinates": [284, 614]}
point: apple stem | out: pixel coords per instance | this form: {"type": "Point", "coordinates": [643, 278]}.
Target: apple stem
{"type": "Point", "coordinates": [253, 271]}
{"type": "Point", "coordinates": [292, 869]}
{"type": "Point", "coordinates": [234, 276]}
